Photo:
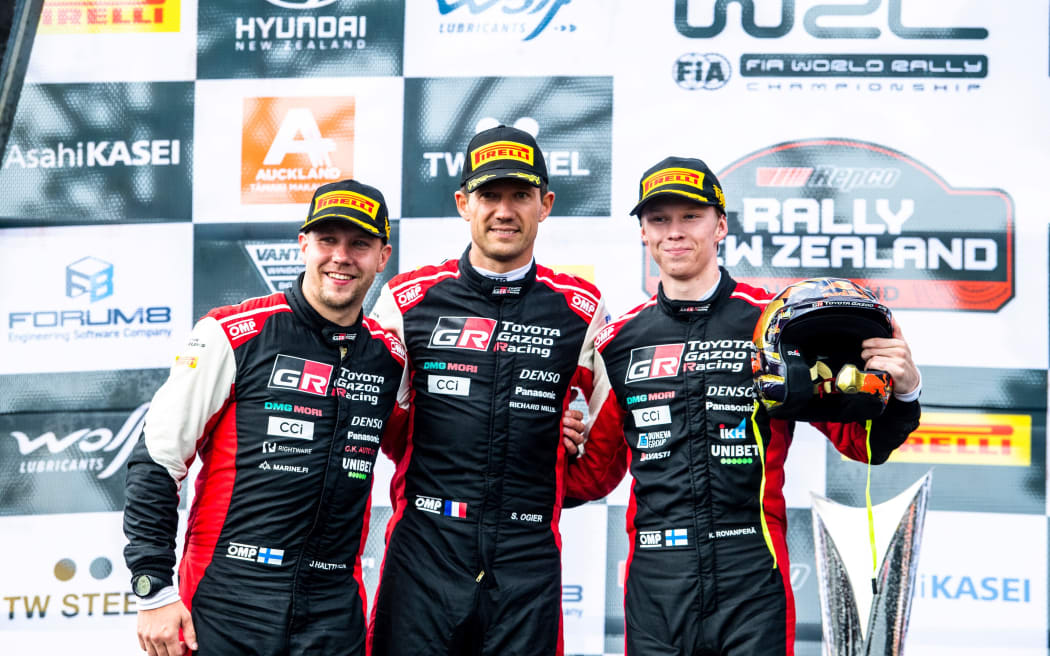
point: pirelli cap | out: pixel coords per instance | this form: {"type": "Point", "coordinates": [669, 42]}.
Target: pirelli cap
{"type": "Point", "coordinates": [682, 177]}
{"type": "Point", "coordinates": [349, 200]}
{"type": "Point", "coordinates": [503, 152]}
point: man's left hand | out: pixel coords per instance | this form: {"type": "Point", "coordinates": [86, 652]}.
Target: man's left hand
{"type": "Point", "coordinates": [893, 356]}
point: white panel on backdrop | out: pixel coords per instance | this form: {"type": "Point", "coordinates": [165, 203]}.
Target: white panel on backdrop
{"type": "Point", "coordinates": [100, 297]}
{"type": "Point", "coordinates": [267, 144]}
{"type": "Point", "coordinates": [508, 37]}
{"type": "Point", "coordinates": [981, 584]}
{"type": "Point", "coordinates": [66, 584]}
{"type": "Point", "coordinates": [804, 469]}
{"type": "Point", "coordinates": [115, 42]}
{"type": "Point", "coordinates": [583, 536]}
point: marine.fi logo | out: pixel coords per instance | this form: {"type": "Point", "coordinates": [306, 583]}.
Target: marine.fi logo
{"type": "Point", "coordinates": [89, 275]}
{"type": "Point", "coordinates": [738, 432]}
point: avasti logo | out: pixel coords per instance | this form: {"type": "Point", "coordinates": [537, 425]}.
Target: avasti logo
{"type": "Point", "coordinates": [112, 17]}
{"type": "Point", "coordinates": [955, 438]}
{"type": "Point", "coordinates": [290, 146]}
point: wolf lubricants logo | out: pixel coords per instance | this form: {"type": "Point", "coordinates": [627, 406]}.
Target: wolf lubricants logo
{"type": "Point", "coordinates": [850, 209]}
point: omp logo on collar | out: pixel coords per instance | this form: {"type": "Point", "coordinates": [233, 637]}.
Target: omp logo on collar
{"type": "Point", "coordinates": [673, 176]}
{"type": "Point", "coordinates": [501, 150]}
{"type": "Point", "coordinates": [347, 199]}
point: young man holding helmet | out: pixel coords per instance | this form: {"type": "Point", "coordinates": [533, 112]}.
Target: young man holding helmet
{"type": "Point", "coordinates": [707, 571]}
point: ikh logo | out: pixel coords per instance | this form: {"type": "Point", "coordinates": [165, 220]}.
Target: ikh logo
{"type": "Point", "coordinates": [956, 438]}
{"type": "Point", "coordinates": [736, 433]}
{"type": "Point", "coordinates": [648, 362]}
{"type": "Point", "coordinates": [473, 333]}
{"type": "Point", "coordinates": [108, 17]}
{"type": "Point", "coordinates": [290, 146]}
{"type": "Point", "coordinates": [292, 373]}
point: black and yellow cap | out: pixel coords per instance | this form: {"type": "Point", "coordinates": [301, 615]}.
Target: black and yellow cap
{"type": "Point", "coordinates": [503, 152]}
{"type": "Point", "coordinates": [683, 177]}
{"type": "Point", "coordinates": [349, 200]}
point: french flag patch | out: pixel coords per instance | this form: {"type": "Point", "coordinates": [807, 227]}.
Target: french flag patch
{"type": "Point", "coordinates": [455, 509]}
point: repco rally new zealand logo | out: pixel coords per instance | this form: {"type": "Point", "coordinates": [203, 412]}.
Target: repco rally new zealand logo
{"type": "Point", "coordinates": [850, 209]}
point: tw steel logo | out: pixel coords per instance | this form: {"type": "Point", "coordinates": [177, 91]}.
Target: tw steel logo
{"type": "Point", "coordinates": [472, 333]}
{"type": "Point", "coordinates": [292, 373]}
{"type": "Point", "coordinates": [650, 362]}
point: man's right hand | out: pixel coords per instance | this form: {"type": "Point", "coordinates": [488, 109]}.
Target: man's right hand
{"type": "Point", "coordinates": [158, 630]}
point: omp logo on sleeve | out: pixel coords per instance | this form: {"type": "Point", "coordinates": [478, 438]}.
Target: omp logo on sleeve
{"type": "Point", "coordinates": [956, 438]}
{"type": "Point", "coordinates": [347, 199]}
{"type": "Point", "coordinates": [292, 373]}
{"type": "Point", "coordinates": [472, 333]}
{"type": "Point", "coordinates": [654, 362]}
{"type": "Point", "coordinates": [501, 150]}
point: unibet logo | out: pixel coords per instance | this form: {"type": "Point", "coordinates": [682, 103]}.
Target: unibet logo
{"type": "Point", "coordinates": [649, 362]}
{"type": "Point", "coordinates": [290, 146]}
{"type": "Point", "coordinates": [472, 333]}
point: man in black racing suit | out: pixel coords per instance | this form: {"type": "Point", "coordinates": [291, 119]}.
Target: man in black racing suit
{"type": "Point", "coordinates": [708, 563]}
{"type": "Point", "coordinates": [284, 398]}
{"type": "Point", "coordinates": [495, 342]}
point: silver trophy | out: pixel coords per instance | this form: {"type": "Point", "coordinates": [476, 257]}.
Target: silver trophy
{"type": "Point", "coordinates": [856, 620]}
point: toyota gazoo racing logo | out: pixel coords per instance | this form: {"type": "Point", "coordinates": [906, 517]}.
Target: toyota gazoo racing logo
{"type": "Point", "coordinates": [473, 333]}
{"type": "Point", "coordinates": [850, 209]}
{"type": "Point", "coordinates": [648, 362]}
{"type": "Point", "coordinates": [300, 375]}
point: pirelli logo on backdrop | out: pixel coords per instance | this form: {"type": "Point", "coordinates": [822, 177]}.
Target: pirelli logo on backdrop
{"type": "Point", "coordinates": [112, 17]}
{"type": "Point", "coordinates": [347, 199]}
{"type": "Point", "coordinates": [291, 146]}
{"type": "Point", "coordinates": [501, 150]}
{"type": "Point", "coordinates": [953, 438]}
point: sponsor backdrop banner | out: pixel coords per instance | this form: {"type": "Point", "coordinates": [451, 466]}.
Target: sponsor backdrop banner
{"type": "Point", "coordinates": [163, 154]}
{"type": "Point", "coordinates": [99, 153]}
{"type": "Point", "coordinates": [570, 118]}
{"type": "Point", "coordinates": [299, 38]}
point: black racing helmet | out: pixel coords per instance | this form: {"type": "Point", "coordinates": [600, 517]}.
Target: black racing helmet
{"type": "Point", "coordinates": [807, 363]}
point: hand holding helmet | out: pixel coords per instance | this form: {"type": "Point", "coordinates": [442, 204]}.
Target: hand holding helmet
{"type": "Point", "coordinates": [828, 350]}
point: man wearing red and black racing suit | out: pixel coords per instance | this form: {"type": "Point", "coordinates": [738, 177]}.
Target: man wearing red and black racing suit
{"type": "Point", "coordinates": [708, 563]}
{"type": "Point", "coordinates": [473, 562]}
{"type": "Point", "coordinates": [284, 399]}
